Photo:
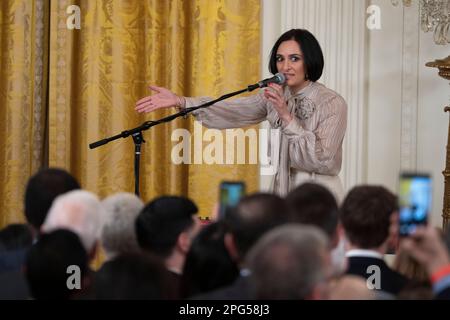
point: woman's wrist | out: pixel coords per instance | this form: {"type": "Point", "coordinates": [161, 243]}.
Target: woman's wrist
{"type": "Point", "coordinates": [287, 118]}
{"type": "Point", "coordinates": [181, 102]}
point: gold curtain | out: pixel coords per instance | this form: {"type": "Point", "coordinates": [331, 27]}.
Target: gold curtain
{"type": "Point", "coordinates": [224, 56]}
{"type": "Point", "coordinates": [23, 96]}
{"type": "Point", "coordinates": [97, 74]}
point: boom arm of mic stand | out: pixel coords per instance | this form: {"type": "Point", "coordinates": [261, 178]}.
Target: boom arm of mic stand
{"type": "Point", "coordinates": [148, 124]}
{"type": "Point", "coordinates": [137, 132]}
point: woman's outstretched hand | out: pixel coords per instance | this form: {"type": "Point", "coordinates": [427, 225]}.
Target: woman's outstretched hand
{"type": "Point", "coordinates": [162, 99]}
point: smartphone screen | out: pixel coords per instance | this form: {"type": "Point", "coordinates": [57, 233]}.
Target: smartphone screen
{"type": "Point", "coordinates": [414, 201]}
{"type": "Point", "coordinates": [229, 195]}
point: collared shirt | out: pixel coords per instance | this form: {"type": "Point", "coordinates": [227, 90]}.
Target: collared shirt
{"type": "Point", "coordinates": [364, 253]}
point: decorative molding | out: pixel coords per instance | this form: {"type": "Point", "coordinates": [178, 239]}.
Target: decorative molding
{"type": "Point", "coordinates": [340, 27]}
{"type": "Point", "coordinates": [38, 94]}
{"type": "Point", "coordinates": [410, 76]}
{"type": "Point", "coordinates": [61, 79]}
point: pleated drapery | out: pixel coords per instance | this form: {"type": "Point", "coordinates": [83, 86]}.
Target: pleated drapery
{"type": "Point", "coordinates": [63, 88]}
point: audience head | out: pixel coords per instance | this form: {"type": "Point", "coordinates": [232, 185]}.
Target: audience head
{"type": "Point", "coordinates": [166, 223]}
{"type": "Point", "coordinates": [351, 287]}
{"type": "Point", "coordinates": [415, 290]}
{"type": "Point", "coordinates": [253, 216]}
{"type": "Point", "coordinates": [314, 204]}
{"type": "Point", "coordinates": [15, 237]}
{"type": "Point", "coordinates": [366, 215]}
{"type": "Point", "coordinates": [290, 262]}
{"type": "Point", "coordinates": [42, 189]}
{"type": "Point", "coordinates": [133, 277]}
{"type": "Point", "coordinates": [49, 265]}
{"type": "Point", "coordinates": [119, 216]}
{"type": "Point", "coordinates": [79, 211]}
{"type": "Point", "coordinates": [208, 264]}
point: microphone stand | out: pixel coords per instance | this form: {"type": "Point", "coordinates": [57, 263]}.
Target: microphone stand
{"type": "Point", "coordinates": [138, 139]}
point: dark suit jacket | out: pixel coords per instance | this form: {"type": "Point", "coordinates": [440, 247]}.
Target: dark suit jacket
{"type": "Point", "coordinates": [239, 290]}
{"type": "Point", "coordinates": [174, 283]}
{"type": "Point", "coordinates": [443, 295]}
{"type": "Point", "coordinates": [14, 286]}
{"type": "Point", "coordinates": [12, 260]}
{"type": "Point", "coordinates": [390, 280]}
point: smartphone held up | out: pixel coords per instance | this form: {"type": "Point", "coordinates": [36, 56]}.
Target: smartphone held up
{"type": "Point", "coordinates": [230, 193]}
{"type": "Point", "coordinates": [414, 201]}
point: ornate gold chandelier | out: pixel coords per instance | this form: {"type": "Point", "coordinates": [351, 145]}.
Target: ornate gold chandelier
{"type": "Point", "coordinates": [434, 16]}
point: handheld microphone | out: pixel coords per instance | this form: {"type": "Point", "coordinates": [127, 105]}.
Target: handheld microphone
{"type": "Point", "coordinates": [279, 78]}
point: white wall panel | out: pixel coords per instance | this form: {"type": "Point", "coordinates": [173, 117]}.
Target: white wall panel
{"type": "Point", "coordinates": [395, 120]}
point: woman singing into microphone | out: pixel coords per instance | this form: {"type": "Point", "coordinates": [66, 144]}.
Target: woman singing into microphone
{"type": "Point", "coordinates": [311, 117]}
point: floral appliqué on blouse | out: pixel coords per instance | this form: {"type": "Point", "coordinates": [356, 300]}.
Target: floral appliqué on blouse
{"type": "Point", "coordinates": [303, 107]}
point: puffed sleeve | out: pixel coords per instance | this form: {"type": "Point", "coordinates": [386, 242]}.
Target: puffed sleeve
{"type": "Point", "coordinates": [320, 150]}
{"type": "Point", "coordinates": [234, 113]}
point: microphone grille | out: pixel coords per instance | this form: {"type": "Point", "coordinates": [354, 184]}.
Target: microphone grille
{"type": "Point", "coordinates": [280, 78]}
